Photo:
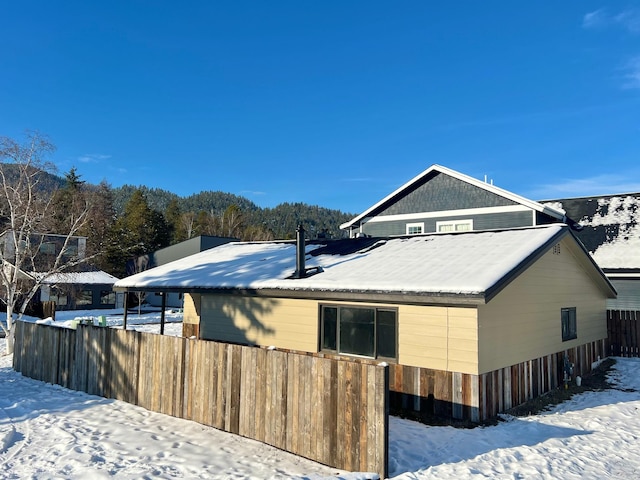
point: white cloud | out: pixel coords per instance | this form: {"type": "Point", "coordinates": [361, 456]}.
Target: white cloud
{"type": "Point", "coordinates": [93, 157]}
{"type": "Point", "coordinates": [628, 19]}
{"type": "Point", "coordinates": [596, 19]}
{"type": "Point", "coordinates": [607, 184]}
{"type": "Point", "coordinates": [631, 76]}
{"type": "Point", "coordinates": [252, 192]}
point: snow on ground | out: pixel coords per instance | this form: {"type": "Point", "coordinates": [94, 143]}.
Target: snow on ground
{"type": "Point", "coordinates": [50, 432]}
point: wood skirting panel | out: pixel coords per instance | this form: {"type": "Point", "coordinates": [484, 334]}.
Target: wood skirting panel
{"type": "Point", "coordinates": [190, 330]}
{"type": "Point", "coordinates": [425, 392]}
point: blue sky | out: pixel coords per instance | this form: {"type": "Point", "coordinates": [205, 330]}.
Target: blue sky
{"type": "Point", "coordinates": [330, 103]}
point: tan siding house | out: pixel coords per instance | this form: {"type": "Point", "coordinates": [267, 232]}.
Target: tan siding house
{"type": "Point", "coordinates": [471, 323]}
{"type": "Point", "coordinates": [523, 321]}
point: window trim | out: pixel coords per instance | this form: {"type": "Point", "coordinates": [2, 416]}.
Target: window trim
{"type": "Point", "coordinates": [376, 309]}
{"type": "Point", "coordinates": [454, 223]}
{"type": "Point", "coordinates": [572, 323]}
{"type": "Point", "coordinates": [414, 225]}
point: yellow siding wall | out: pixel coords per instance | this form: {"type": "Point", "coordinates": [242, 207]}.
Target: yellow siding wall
{"type": "Point", "coordinates": [191, 312]}
{"type": "Point", "coordinates": [441, 338]}
{"type": "Point", "coordinates": [523, 321]}
{"type": "Point", "coordinates": [281, 322]}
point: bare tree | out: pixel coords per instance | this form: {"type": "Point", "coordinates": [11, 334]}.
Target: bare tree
{"type": "Point", "coordinates": [25, 211]}
{"type": "Point", "coordinates": [232, 222]}
{"type": "Point", "coordinates": [187, 222]}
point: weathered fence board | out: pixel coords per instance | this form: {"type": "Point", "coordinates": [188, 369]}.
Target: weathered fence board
{"type": "Point", "coordinates": [624, 333]}
{"type": "Point", "coordinates": [332, 410]}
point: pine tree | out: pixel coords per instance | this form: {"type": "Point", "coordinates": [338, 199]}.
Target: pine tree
{"type": "Point", "coordinates": [173, 215]}
{"type": "Point", "coordinates": [139, 231]}
{"type": "Point", "coordinates": [67, 203]}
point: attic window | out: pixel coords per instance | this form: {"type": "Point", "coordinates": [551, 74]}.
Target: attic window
{"type": "Point", "coordinates": [415, 228]}
{"type": "Point", "coordinates": [448, 226]}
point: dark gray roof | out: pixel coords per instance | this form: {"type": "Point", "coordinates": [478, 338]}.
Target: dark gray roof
{"type": "Point", "coordinates": [610, 228]}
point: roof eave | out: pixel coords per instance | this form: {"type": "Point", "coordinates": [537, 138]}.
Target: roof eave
{"type": "Point", "coordinates": [406, 298]}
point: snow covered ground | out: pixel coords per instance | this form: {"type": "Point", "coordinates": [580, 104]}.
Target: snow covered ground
{"type": "Point", "coordinates": [49, 432]}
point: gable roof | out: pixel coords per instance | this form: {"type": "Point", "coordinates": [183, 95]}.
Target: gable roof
{"type": "Point", "coordinates": [610, 228]}
{"type": "Point", "coordinates": [463, 268]}
{"type": "Point", "coordinates": [435, 169]}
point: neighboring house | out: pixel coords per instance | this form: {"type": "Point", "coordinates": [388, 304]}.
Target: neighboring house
{"type": "Point", "coordinates": [611, 233]}
{"type": "Point", "coordinates": [169, 254]}
{"type": "Point", "coordinates": [86, 290]}
{"type": "Point", "coordinates": [471, 323]}
{"type": "Point", "coordinates": [443, 200]}
{"type": "Point", "coordinates": [82, 287]}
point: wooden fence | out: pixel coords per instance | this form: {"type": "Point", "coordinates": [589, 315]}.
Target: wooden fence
{"type": "Point", "coordinates": [426, 392]}
{"type": "Point", "coordinates": [624, 333]}
{"type": "Point", "coordinates": [330, 410]}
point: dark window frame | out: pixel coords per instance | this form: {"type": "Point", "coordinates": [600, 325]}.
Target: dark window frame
{"type": "Point", "coordinates": [569, 323]}
{"type": "Point", "coordinates": [335, 342]}
{"type": "Point", "coordinates": [60, 298]}
{"type": "Point", "coordinates": [84, 297]}
{"type": "Point", "coordinates": [106, 296]}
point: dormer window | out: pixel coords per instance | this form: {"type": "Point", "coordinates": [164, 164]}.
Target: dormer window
{"type": "Point", "coordinates": [448, 226]}
{"type": "Point", "coordinates": [415, 228]}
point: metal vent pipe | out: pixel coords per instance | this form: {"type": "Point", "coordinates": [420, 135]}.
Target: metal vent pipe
{"type": "Point", "coordinates": [300, 253]}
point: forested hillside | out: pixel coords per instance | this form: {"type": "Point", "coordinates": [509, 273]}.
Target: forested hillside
{"type": "Point", "coordinates": [131, 220]}
{"type": "Point", "coordinates": [279, 222]}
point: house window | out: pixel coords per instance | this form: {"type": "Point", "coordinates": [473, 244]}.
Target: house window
{"type": "Point", "coordinates": [48, 248]}
{"type": "Point", "coordinates": [107, 297]}
{"type": "Point", "coordinates": [415, 228]}
{"type": "Point", "coordinates": [85, 297]}
{"type": "Point", "coordinates": [363, 331]}
{"type": "Point", "coordinates": [454, 226]}
{"type": "Point", "coordinates": [569, 325]}
{"type": "Point", "coordinates": [71, 251]}
{"type": "Point", "coordinates": [59, 297]}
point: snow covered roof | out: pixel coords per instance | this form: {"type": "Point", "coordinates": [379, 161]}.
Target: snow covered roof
{"type": "Point", "coordinates": [474, 265]}
{"type": "Point", "coordinates": [611, 228]}
{"type": "Point", "coordinates": [550, 210]}
{"type": "Point", "coordinates": [97, 277]}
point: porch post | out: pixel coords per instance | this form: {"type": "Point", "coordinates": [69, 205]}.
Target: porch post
{"type": "Point", "coordinates": [124, 319]}
{"type": "Point", "coordinates": [164, 306]}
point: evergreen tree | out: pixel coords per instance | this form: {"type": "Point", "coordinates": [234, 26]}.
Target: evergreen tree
{"type": "Point", "coordinates": [67, 203]}
{"type": "Point", "coordinates": [101, 222]}
{"type": "Point", "coordinates": [173, 215]}
{"type": "Point", "coordinates": [140, 230]}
